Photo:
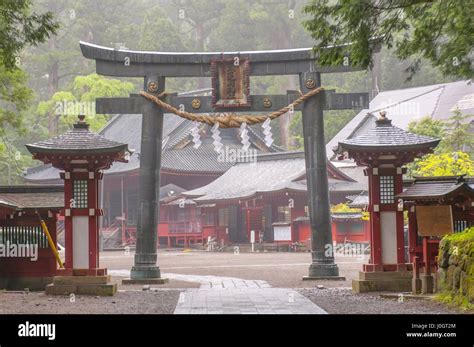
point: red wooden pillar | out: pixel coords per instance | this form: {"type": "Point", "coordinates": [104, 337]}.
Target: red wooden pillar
{"type": "Point", "coordinates": [92, 203]}
{"type": "Point", "coordinates": [248, 222]}
{"type": "Point", "coordinates": [374, 210]}
{"type": "Point", "coordinates": [398, 207]}
{"type": "Point", "coordinates": [412, 233]}
{"type": "Point", "coordinates": [66, 176]}
{"type": "Point", "coordinates": [426, 256]}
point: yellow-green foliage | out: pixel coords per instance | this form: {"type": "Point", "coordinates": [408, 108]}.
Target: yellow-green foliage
{"type": "Point", "coordinates": [344, 207]}
{"type": "Point", "coordinates": [456, 262]}
{"type": "Point", "coordinates": [444, 164]}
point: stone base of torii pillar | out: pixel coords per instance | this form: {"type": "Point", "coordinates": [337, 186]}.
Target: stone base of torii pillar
{"type": "Point", "coordinates": [145, 275]}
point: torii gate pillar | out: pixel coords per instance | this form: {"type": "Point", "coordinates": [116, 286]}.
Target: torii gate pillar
{"type": "Point", "coordinates": [145, 269]}
{"type": "Point", "coordinates": [322, 256]}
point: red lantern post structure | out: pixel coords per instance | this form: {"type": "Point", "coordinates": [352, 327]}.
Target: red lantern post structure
{"type": "Point", "coordinates": [384, 150]}
{"type": "Point", "coordinates": [81, 155]}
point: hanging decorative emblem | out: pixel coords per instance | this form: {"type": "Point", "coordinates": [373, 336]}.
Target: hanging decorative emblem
{"type": "Point", "coordinates": [310, 83]}
{"type": "Point", "coordinates": [244, 137]}
{"type": "Point", "coordinates": [267, 131]}
{"type": "Point", "coordinates": [217, 139]}
{"type": "Point", "coordinates": [196, 103]}
{"type": "Point", "coordinates": [230, 82]}
{"type": "Point", "coordinates": [196, 136]}
{"type": "Point", "coordinates": [152, 87]}
{"type": "Point", "coordinates": [267, 103]}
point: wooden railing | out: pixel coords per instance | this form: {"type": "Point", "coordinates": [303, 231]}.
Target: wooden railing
{"type": "Point", "coordinates": [184, 227]}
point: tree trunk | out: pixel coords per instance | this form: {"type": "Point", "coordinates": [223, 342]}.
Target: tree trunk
{"type": "Point", "coordinates": [201, 84]}
{"type": "Point", "coordinates": [53, 82]}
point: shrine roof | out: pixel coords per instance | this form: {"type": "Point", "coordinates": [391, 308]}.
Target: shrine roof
{"type": "Point", "coordinates": [275, 172]}
{"type": "Point", "coordinates": [32, 197]}
{"type": "Point", "coordinates": [78, 140]}
{"type": "Point", "coordinates": [346, 215]}
{"type": "Point", "coordinates": [358, 201]}
{"type": "Point", "coordinates": [429, 188]}
{"type": "Point", "coordinates": [385, 137]}
{"type": "Point", "coordinates": [170, 192]}
{"type": "Point", "coordinates": [410, 104]}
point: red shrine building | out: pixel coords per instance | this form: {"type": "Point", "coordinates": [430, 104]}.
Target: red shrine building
{"type": "Point", "coordinates": [27, 260]}
{"type": "Point", "coordinates": [187, 216]}
{"type": "Point", "coordinates": [436, 206]}
{"type": "Point", "coordinates": [267, 196]}
{"type": "Point", "coordinates": [384, 150]}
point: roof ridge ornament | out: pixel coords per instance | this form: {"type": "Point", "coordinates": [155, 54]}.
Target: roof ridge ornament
{"type": "Point", "coordinates": [81, 123]}
{"type": "Point", "coordinates": [383, 120]}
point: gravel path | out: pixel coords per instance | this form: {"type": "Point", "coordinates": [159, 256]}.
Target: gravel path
{"type": "Point", "coordinates": [131, 302]}
{"type": "Point", "coordinates": [343, 301]}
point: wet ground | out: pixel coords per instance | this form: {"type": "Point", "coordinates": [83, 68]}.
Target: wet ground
{"type": "Point", "coordinates": [204, 282]}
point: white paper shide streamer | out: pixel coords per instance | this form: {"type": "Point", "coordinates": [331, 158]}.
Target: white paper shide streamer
{"type": "Point", "coordinates": [267, 131]}
{"type": "Point", "coordinates": [196, 136]}
{"type": "Point", "coordinates": [244, 137]}
{"type": "Point", "coordinates": [217, 139]}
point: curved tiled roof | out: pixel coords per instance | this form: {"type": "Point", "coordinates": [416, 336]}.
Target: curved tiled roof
{"type": "Point", "coordinates": [269, 173]}
{"type": "Point", "coordinates": [386, 136]}
{"type": "Point", "coordinates": [78, 140]}
{"type": "Point", "coordinates": [32, 197]}
{"type": "Point", "coordinates": [433, 188]}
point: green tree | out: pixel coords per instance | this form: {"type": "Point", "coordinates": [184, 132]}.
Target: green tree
{"type": "Point", "coordinates": [64, 106]}
{"type": "Point", "coordinates": [344, 207]}
{"type": "Point", "coordinates": [455, 153]}
{"type": "Point", "coordinates": [455, 132]}
{"type": "Point", "coordinates": [459, 136]}
{"type": "Point", "coordinates": [334, 121]}
{"type": "Point", "coordinates": [20, 27]}
{"type": "Point", "coordinates": [112, 23]}
{"type": "Point", "coordinates": [428, 126]}
{"type": "Point", "coordinates": [14, 97]}
{"type": "Point", "coordinates": [438, 30]}
{"type": "Point", "coordinates": [159, 33]}
{"type": "Point", "coordinates": [444, 164]}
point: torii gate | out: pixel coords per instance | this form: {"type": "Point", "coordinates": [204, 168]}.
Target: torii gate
{"type": "Point", "coordinates": [156, 66]}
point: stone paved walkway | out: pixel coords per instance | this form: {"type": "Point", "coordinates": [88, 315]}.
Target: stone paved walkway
{"type": "Point", "coordinates": [228, 295]}
{"type": "Point", "coordinates": [245, 301]}
{"type": "Point", "coordinates": [218, 282]}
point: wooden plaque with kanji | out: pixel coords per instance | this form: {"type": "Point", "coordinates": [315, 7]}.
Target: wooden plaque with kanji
{"type": "Point", "coordinates": [230, 82]}
{"type": "Point", "coordinates": [434, 220]}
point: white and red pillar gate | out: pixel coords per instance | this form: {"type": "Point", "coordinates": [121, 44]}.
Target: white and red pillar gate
{"type": "Point", "coordinates": [386, 218]}
{"type": "Point", "coordinates": [81, 218]}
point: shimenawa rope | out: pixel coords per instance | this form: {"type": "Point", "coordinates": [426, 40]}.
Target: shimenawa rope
{"type": "Point", "coordinates": [228, 120]}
